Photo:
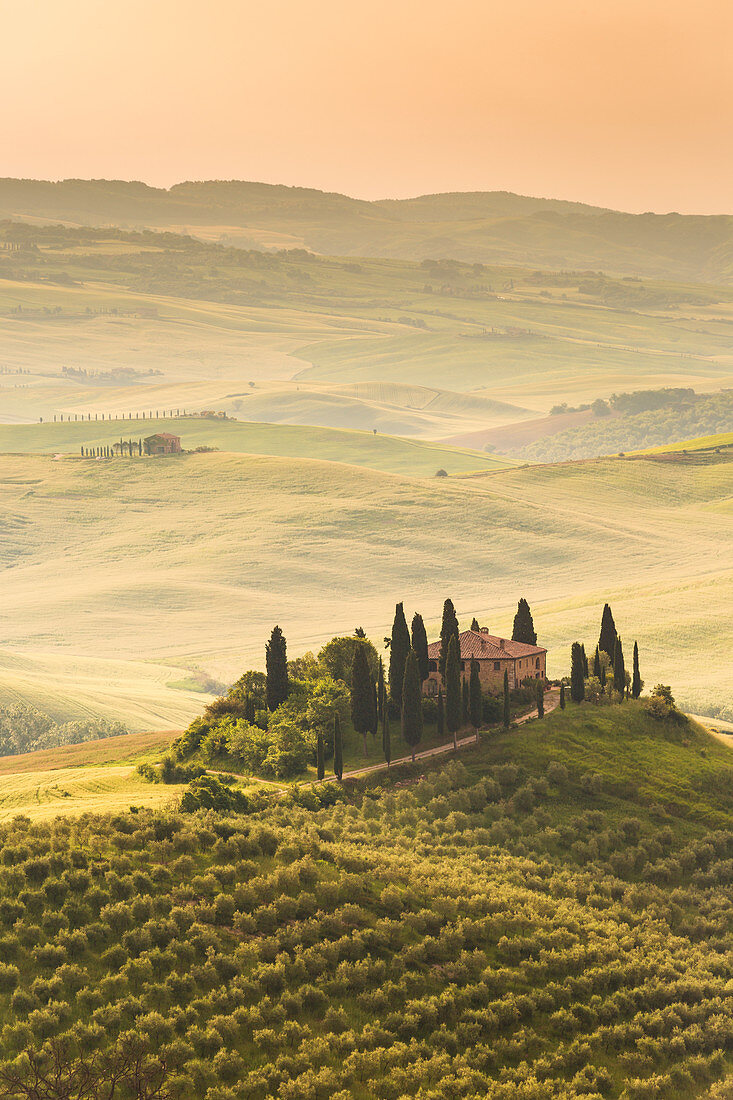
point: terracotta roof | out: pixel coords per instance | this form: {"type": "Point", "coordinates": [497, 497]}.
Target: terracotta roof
{"type": "Point", "coordinates": [487, 646]}
{"type": "Point", "coordinates": [163, 435]}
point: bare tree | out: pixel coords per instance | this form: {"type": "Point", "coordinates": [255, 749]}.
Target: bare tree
{"type": "Point", "coordinates": [65, 1069]}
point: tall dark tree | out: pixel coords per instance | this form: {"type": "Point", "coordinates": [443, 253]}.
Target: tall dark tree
{"type": "Point", "coordinates": [465, 702]}
{"type": "Point", "coordinates": [597, 665]}
{"type": "Point", "coordinates": [475, 698]}
{"type": "Point", "coordinates": [585, 661]}
{"type": "Point", "coordinates": [448, 630]}
{"type": "Point", "coordinates": [507, 713]}
{"type": "Point", "coordinates": [320, 757]}
{"type": "Point", "coordinates": [474, 625]}
{"type": "Point", "coordinates": [276, 666]}
{"type": "Point", "coordinates": [373, 729]}
{"type": "Point", "coordinates": [420, 645]}
{"type": "Point", "coordinates": [636, 681]}
{"type": "Point", "coordinates": [540, 699]}
{"type": "Point", "coordinates": [380, 689]}
{"type": "Point", "coordinates": [398, 649]}
{"type": "Point", "coordinates": [562, 696]}
{"type": "Point", "coordinates": [362, 695]}
{"type": "Point", "coordinates": [338, 748]}
{"type": "Point", "coordinates": [607, 640]}
{"type": "Point", "coordinates": [577, 680]}
{"type": "Point", "coordinates": [386, 738]}
{"type": "Point", "coordinates": [441, 714]}
{"type": "Point", "coordinates": [412, 704]}
{"type": "Point", "coordinates": [453, 692]}
{"type": "Point", "coordinates": [524, 630]}
{"type": "Point", "coordinates": [619, 668]}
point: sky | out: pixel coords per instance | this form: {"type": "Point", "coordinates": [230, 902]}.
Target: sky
{"type": "Point", "coordinates": [620, 103]}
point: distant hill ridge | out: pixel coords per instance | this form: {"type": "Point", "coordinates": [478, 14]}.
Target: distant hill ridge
{"type": "Point", "coordinates": [485, 227]}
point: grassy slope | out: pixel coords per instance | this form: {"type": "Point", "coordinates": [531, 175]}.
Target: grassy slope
{"type": "Point", "coordinates": [704, 443]}
{"type": "Point", "coordinates": [42, 795]}
{"type": "Point", "coordinates": [379, 452]}
{"type": "Point", "coordinates": [128, 749]}
{"type": "Point", "coordinates": [225, 545]}
{"type": "Point", "coordinates": [686, 771]}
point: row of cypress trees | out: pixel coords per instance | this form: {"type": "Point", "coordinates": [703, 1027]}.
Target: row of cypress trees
{"type": "Point", "coordinates": [459, 702]}
{"type": "Point", "coordinates": [609, 642]}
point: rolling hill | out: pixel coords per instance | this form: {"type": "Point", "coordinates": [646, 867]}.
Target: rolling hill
{"type": "Point", "coordinates": [484, 227]}
{"type": "Point", "coordinates": [546, 916]}
{"type": "Point", "coordinates": [100, 320]}
{"type": "Point", "coordinates": [122, 580]}
{"type": "Point", "coordinates": [379, 452]}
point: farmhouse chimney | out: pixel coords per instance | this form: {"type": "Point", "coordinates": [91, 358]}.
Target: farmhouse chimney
{"type": "Point", "coordinates": [502, 643]}
{"type": "Point", "coordinates": [484, 630]}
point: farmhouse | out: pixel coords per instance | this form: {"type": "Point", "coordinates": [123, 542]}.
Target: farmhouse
{"type": "Point", "coordinates": [163, 443]}
{"type": "Point", "coordinates": [494, 656]}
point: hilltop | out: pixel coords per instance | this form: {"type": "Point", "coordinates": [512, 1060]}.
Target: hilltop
{"type": "Point", "coordinates": [546, 916]}
{"type": "Point", "coordinates": [484, 227]}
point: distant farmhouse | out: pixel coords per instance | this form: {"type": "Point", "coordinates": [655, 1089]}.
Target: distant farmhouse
{"type": "Point", "coordinates": [494, 656]}
{"type": "Point", "coordinates": [163, 443]}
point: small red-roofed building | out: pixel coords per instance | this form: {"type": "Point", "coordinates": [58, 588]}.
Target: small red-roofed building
{"type": "Point", "coordinates": [494, 655]}
{"type": "Point", "coordinates": [162, 443]}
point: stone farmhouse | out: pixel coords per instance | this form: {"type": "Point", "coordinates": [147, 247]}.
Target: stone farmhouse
{"type": "Point", "coordinates": [163, 443]}
{"type": "Point", "coordinates": [494, 655]}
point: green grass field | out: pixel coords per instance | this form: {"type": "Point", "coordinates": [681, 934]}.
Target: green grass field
{"type": "Point", "coordinates": [379, 452]}
{"type": "Point", "coordinates": [41, 795]}
{"type": "Point", "coordinates": [704, 443]}
{"type": "Point", "coordinates": [104, 616]}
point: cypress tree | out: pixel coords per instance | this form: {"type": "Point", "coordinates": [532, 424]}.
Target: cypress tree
{"type": "Point", "coordinates": [338, 748]}
{"type": "Point", "coordinates": [441, 714]}
{"type": "Point", "coordinates": [386, 738]}
{"type": "Point", "coordinates": [636, 681]}
{"type": "Point", "coordinates": [607, 640]}
{"type": "Point", "coordinates": [276, 665]}
{"type": "Point", "coordinates": [375, 710]}
{"type": "Point", "coordinates": [380, 690]}
{"type": "Point", "coordinates": [474, 625]}
{"type": "Point", "coordinates": [465, 702]}
{"type": "Point", "coordinates": [524, 630]}
{"type": "Point", "coordinates": [420, 645]}
{"type": "Point", "coordinates": [362, 694]}
{"type": "Point", "coordinates": [398, 649]}
{"type": "Point", "coordinates": [475, 698]}
{"type": "Point", "coordinates": [448, 630]}
{"type": "Point", "coordinates": [585, 661]}
{"type": "Point", "coordinates": [619, 669]}
{"type": "Point", "coordinates": [540, 700]}
{"type": "Point", "coordinates": [597, 665]}
{"type": "Point", "coordinates": [453, 696]}
{"type": "Point", "coordinates": [320, 761]}
{"type": "Point", "coordinates": [577, 680]}
{"type": "Point", "coordinates": [507, 708]}
{"type": "Point", "coordinates": [412, 704]}
{"type": "Point", "coordinates": [562, 696]}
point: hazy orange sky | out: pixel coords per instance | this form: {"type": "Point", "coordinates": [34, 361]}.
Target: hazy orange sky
{"type": "Point", "coordinates": [624, 103]}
